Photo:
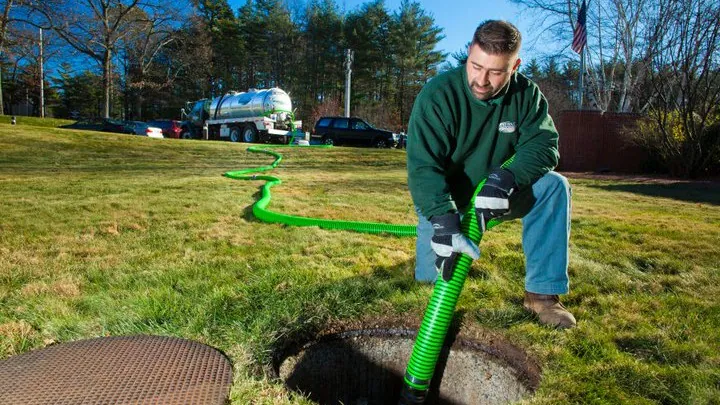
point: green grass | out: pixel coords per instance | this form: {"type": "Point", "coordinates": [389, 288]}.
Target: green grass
{"type": "Point", "coordinates": [35, 121]}
{"type": "Point", "coordinates": [105, 234]}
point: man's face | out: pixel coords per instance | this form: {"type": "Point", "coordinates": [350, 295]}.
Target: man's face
{"type": "Point", "coordinates": [488, 74]}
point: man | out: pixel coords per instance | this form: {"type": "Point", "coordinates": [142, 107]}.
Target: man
{"type": "Point", "coordinates": [464, 125]}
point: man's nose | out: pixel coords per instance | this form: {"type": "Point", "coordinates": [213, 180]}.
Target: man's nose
{"type": "Point", "coordinates": [483, 78]}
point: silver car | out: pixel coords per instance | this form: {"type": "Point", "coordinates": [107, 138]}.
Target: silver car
{"type": "Point", "coordinates": [144, 129]}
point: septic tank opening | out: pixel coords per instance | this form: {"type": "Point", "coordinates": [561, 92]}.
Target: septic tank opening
{"type": "Point", "coordinates": [366, 367]}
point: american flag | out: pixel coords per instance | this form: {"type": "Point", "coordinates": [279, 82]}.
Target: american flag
{"type": "Point", "coordinates": [579, 33]}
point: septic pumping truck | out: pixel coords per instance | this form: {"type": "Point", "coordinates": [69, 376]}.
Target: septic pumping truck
{"type": "Point", "coordinates": [258, 115]}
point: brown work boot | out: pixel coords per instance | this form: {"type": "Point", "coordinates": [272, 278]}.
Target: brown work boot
{"type": "Point", "coordinates": [549, 310]}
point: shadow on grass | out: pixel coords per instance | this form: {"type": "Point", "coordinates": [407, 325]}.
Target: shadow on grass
{"type": "Point", "coordinates": [377, 285]}
{"type": "Point", "coordinates": [247, 212]}
{"type": "Point", "coordinates": [696, 192]}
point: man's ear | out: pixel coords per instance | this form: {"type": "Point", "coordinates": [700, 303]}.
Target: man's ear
{"type": "Point", "coordinates": [517, 65]}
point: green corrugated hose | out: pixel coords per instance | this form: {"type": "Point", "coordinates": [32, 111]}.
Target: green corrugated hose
{"type": "Point", "coordinates": [439, 313]}
{"type": "Point", "coordinates": [262, 213]}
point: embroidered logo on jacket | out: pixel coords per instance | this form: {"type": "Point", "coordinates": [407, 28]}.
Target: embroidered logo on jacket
{"type": "Point", "coordinates": [507, 127]}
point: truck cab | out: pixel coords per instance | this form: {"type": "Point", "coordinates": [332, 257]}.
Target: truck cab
{"type": "Point", "coordinates": [196, 114]}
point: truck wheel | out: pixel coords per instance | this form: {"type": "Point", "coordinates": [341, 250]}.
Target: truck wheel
{"type": "Point", "coordinates": [234, 134]}
{"type": "Point", "coordinates": [249, 134]}
{"type": "Point", "coordinates": [328, 141]}
{"type": "Point", "coordinates": [186, 134]}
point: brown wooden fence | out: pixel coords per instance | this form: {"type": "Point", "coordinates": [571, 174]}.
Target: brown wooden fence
{"type": "Point", "coordinates": [594, 141]}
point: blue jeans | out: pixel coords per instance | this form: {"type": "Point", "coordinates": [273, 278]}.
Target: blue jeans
{"type": "Point", "coordinates": [545, 238]}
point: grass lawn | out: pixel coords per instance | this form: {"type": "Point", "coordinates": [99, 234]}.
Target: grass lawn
{"type": "Point", "coordinates": [35, 121]}
{"type": "Point", "coordinates": [105, 234]}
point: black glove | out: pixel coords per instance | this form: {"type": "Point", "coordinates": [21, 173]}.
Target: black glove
{"type": "Point", "coordinates": [493, 199]}
{"type": "Point", "coordinates": [448, 242]}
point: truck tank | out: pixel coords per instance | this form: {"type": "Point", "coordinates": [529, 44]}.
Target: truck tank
{"type": "Point", "coordinates": [253, 103]}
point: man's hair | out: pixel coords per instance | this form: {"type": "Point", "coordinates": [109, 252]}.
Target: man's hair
{"type": "Point", "coordinates": [497, 37]}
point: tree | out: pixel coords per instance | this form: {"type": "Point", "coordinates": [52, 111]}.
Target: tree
{"type": "Point", "coordinates": [226, 44]}
{"type": "Point", "coordinates": [323, 49]}
{"type": "Point", "coordinates": [5, 22]}
{"type": "Point", "coordinates": [366, 32]}
{"type": "Point", "coordinates": [19, 57]}
{"type": "Point", "coordinates": [3, 28]}
{"type": "Point", "coordinates": [95, 29]}
{"type": "Point", "coordinates": [141, 48]}
{"type": "Point", "coordinates": [187, 61]}
{"type": "Point", "coordinates": [556, 82]}
{"type": "Point", "coordinates": [151, 59]}
{"type": "Point", "coordinates": [532, 70]}
{"type": "Point", "coordinates": [414, 37]}
{"type": "Point", "coordinates": [271, 39]}
{"type": "Point", "coordinates": [684, 108]}
{"type": "Point", "coordinates": [23, 46]}
{"type": "Point", "coordinates": [615, 44]}
{"type": "Point", "coordinates": [81, 94]}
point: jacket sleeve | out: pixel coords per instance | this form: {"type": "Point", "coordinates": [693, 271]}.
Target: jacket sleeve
{"type": "Point", "coordinates": [428, 150]}
{"type": "Point", "coordinates": [536, 152]}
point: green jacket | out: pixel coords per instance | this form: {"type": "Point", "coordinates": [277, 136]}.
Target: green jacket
{"type": "Point", "coordinates": [455, 140]}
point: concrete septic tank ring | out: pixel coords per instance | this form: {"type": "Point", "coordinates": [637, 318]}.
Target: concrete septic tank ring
{"type": "Point", "coordinates": [366, 367]}
{"type": "Point", "coordinates": [124, 369]}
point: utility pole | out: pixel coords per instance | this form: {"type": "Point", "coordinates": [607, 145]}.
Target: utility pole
{"type": "Point", "coordinates": [3, 27]}
{"type": "Point", "coordinates": [42, 79]}
{"type": "Point", "coordinates": [2, 108]}
{"type": "Point", "coordinates": [348, 73]}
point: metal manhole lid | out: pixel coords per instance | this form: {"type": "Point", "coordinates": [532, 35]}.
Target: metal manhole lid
{"type": "Point", "coordinates": [118, 370]}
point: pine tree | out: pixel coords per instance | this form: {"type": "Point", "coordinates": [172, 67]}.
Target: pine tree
{"type": "Point", "coordinates": [532, 70]}
{"type": "Point", "coordinates": [228, 49]}
{"type": "Point", "coordinates": [414, 37]}
{"type": "Point", "coordinates": [324, 47]}
{"type": "Point", "coordinates": [271, 38]}
{"type": "Point", "coordinates": [81, 94]}
{"type": "Point", "coordinates": [367, 31]}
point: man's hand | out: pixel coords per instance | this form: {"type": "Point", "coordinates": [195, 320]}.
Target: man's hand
{"type": "Point", "coordinates": [493, 199]}
{"type": "Point", "coordinates": [448, 242]}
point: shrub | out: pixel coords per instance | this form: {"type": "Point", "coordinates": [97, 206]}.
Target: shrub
{"type": "Point", "coordinates": [685, 146]}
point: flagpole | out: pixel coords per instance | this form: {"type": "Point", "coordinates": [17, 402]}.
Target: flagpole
{"type": "Point", "coordinates": [578, 45]}
{"type": "Point", "coordinates": [581, 89]}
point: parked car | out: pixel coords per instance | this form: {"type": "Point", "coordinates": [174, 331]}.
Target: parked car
{"type": "Point", "coordinates": [144, 129]}
{"type": "Point", "coordinates": [139, 127]}
{"type": "Point", "coordinates": [103, 124]}
{"type": "Point", "coordinates": [121, 127]}
{"type": "Point", "coordinates": [153, 132]}
{"type": "Point", "coordinates": [170, 128]}
{"type": "Point", "coordinates": [353, 131]}
{"type": "Point", "coordinates": [87, 124]}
